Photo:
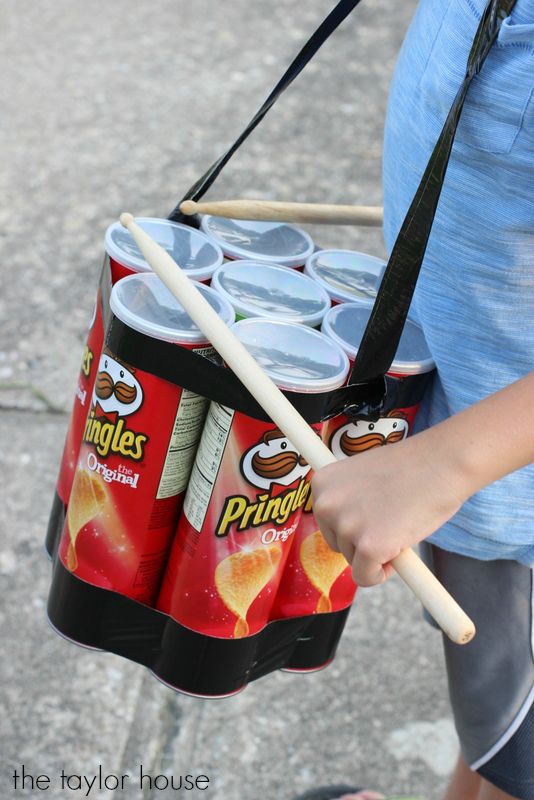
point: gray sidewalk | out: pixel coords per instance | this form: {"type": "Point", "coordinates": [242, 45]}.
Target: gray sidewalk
{"type": "Point", "coordinates": [120, 106]}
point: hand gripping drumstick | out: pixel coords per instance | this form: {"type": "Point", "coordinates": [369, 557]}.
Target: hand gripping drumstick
{"type": "Point", "coordinates": [319, 213]}
{"type": "Point", "coordinates": [434, 597]}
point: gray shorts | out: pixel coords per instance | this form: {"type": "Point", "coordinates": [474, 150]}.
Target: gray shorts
{"type": "Point", "coordinates": [491, 680]}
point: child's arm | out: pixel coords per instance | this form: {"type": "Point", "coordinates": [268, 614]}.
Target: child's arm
{"type": "Point", "coordinates": [373, 505]}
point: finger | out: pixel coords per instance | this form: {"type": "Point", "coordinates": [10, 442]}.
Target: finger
{"type": "Point", "coordinates": [367, 571]}
{"type": "Point", "coordinates": [328, 533]}
{"type": "Point", "coordinates": [347, 549]}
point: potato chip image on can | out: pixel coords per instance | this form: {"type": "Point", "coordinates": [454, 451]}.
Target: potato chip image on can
{"type": "Point", "coordinates": [88, 501]}
{"type": "Point", "coordinates": [195, 253]}
{"type": "Point", "coordinates": [322, 566]}
{"type": "Point", "coordinates": [316, 579]}
{"type": "Point", "coordinates": [241, 576]}
{"type": "Point", "coordinates": [138, 447]}
{"type": "Point", "coordinates": [246, 493]}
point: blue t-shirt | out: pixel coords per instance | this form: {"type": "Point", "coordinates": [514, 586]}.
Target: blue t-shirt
{"type": "Point", "coordinates": [475, 295]}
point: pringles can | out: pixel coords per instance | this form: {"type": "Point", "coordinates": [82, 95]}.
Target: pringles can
{"type": "Point", "coordinates": [347, 275]}
{"type": "Point", "coordinates": [191, 249]}
{"type": "Point", "coordinates": [256, 240]}
{"type": "Point", "coordinates": [263, 290]}
{"type": "Point", "coordinates": [317, 580]}
{"type": "Point", "coordinates": [246, 494]}
{"type": "Point", "coordinates": [137, 449]}
{"type": "Point", "coordinates": [196, 255]}
{"type": "Point", "coordinates": [407, 379]}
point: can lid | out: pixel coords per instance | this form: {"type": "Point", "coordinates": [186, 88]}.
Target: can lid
{"type": "Point", "coordinates": [346, 324]}
{"type": "Point", "coordinates": [191, 249]}
{"type": "Point", "coordinates": [297, 358]}
{"type": "Point", "coordinates": [144, 303]}
{"type": "Point", "coordinates": [347, 275]}
{"type": "Point", "coordinates": [284, 244]}
{"type": "Point", "coordinates": [265, 290]}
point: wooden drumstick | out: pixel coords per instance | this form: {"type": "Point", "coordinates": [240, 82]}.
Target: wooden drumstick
{"type": "Point", "coordinates": [434, 597]}
{"type": "Point", "coordinates": [318, 213]}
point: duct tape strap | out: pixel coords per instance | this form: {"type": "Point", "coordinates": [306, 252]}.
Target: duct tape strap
{"type": "Point", "coordinates": [339, 13]}
{"type": "Point", "coordinates": [384, 328]}
{"type": "Point", "coordinates": [209, 379]}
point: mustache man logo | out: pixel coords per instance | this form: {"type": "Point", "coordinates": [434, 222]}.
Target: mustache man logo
{"type": "Point", "coordinates": [273, 460]}
{"type": "Point", "coordinates": [116, 388]}
{"type": "Point", "coordinates": [356, 437]}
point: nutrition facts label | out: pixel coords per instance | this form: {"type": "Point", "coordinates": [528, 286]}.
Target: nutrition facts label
{"type": "Point", "coordinates": [185, 434]}
{"type": "Point", "coordinates": [207, 463]}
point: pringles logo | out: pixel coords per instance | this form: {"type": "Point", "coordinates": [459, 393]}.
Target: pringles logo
{"type": "Point", "coordinates": [356, 437]}
{"type": "Point", "coordinates": [273, 460]}
{"type": "Point", "coordinates": [273, 465]}
{"type": "Point", "coordinates": [117, 394]}
{"type": "Point", "coordinates": [87, 361]}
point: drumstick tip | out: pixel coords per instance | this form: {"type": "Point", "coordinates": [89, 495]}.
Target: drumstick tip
{"type": "Point", "coordinates": [468, 635]}
{"type": "Point", "coordinates": [125, 219]}
{"type": "Point", "coordinates": [188, 207]}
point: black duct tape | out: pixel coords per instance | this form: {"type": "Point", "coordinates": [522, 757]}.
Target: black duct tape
{"type": "Point", "coordinates": [185, 660]}
{"type": "Point", "coordinates": [210, 379]}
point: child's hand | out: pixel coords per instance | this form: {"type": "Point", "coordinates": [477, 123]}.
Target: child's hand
{"type": "Point", "coordinates": [375, 504]}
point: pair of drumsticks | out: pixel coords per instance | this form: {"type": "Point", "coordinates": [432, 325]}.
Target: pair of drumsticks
{"type": "Point", "coordinates": [434, 597]}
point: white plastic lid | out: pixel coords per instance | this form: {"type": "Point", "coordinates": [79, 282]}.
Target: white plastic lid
{"type": "Point", "coordinates": [347, 275]}
{"type": "Point", "coordinates": [191, 250]}
{"type": "Point", "coordinates": [346, 324]}
{"type": "Point", "coordinates": [265, 290]}
{"type": "Point", "coordinates": [144, 303]}
{"type": "Point", "coordinates": [275, 242]}
{"type": "Point", "coordinates": [295, 357]}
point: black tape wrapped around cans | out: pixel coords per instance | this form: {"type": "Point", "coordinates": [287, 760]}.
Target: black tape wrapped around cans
{"type": "Point", "coordinates": [184, 659]}
{"type": "Point", "coordinates": [101, 618]}
{"type": "Point", "coordinates": [209, 666]}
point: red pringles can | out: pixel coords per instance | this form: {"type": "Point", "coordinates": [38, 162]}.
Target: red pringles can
{"type": "Point", "coordinates": [195, 253]}
{"type": "Point", "coordinates": [137, 450]}
{"type": "Point", "coordinates": [407, 379]}
{"type": "Point", "coordinates": [246, 493]}
{"type": "Point", "coordinates": [316, 579]}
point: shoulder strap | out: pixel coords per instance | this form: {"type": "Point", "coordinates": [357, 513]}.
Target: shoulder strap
{"type": "Point", "coordinates": [382, 335]}
{"type": "Point", "coordinates": [325, 29]}
{"type": "Point", "coordinates": [384, 329]}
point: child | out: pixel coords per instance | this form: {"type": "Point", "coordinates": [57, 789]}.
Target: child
{"type": "Point", "coordinates": [464, 482]}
